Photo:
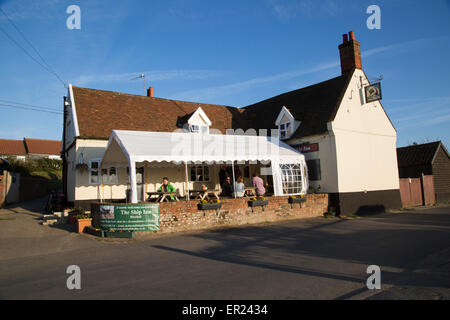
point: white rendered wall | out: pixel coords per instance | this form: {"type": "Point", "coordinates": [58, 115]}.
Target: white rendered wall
{"type": "Point", "coordinates": [365, 143]}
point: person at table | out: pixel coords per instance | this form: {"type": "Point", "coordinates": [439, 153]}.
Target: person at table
{"type": "Point", "coordinates": [223, 174]}
{"type": "Point", "coordinates": [240, 187]}
{"type": "Point", "coordinates": [258, 184]}
{"type": "Point", "coordinates": [227, 188]}
{"type": "Point", "coordinates": [167, 187]}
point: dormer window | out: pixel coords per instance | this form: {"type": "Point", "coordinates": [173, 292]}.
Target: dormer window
{"type": "Point", "coordinates": [199, 122]}
{"type": "Point", "coordinates": [286, 124]}
{"type": "Point", "coordinates": [195, 128]}
{"type": "Point", "coordinates": [285, 130]}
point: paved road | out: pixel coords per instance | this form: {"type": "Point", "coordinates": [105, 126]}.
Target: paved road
{"type": "Point", "coordinates": [307, 259]}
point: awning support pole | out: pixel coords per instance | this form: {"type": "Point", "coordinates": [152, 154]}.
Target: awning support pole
{"type": "Point", "coordinates": [100, 177]}
{"type": "Point", "coordinates": [187, 182]}
{"type": "Point", "coordinates": [234, 180]}
{"type": "Point", "coordinates": [145, 177]}
{"type": "Point", "coordinates": [133, 185]}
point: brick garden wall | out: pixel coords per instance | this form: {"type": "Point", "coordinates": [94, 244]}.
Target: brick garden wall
{"type": "Point", "coordinates": [185, 216]}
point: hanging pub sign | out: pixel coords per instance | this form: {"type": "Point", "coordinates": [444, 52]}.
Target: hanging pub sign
{"type": "Point", "coordinates": [305, 148]}
{"type": "Point", "coordinates": [373, 92]}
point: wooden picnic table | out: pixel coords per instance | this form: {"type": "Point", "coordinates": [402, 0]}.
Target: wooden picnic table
{"type": "Point", "coordinates": [161, 196]}
{"type": "Point", "coordinates": [249, 192]}
{"type": "Point", "coordinates": [204, 194]}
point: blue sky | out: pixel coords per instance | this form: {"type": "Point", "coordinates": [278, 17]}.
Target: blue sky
{"type": "Point", "coordinates": [224, 52]}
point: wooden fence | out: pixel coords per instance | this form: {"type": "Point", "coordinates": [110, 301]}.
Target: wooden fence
{"type": "Point", "coordinates": [417, 191]}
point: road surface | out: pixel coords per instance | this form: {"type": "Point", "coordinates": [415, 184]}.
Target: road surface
{"type": "Point", "coordinates": [314, 258]}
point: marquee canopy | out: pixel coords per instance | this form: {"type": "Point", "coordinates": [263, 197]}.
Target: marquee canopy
{"type": "Point", "coordinates": [126, 148]}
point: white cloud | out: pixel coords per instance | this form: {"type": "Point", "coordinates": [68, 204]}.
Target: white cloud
{"type": "Point", "coordinates": [286, 10]}
{"type": "Point", "coordinates": [213, 92]}
{"type": "Point", "coordinates": [217, 91]}
{"type": "Point", "coordinates": [153, 75]}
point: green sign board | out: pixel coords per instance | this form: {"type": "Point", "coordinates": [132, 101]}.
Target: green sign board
{"type": "Point", "coordinates": [138, 217]}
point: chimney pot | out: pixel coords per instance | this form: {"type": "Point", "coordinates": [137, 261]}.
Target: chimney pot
{"type": "Point", "coordinates": [345, 38]}
{"type": "Point", "coordinates": [351, 35]}
{"type": "Point", "coordinates": [150, 92]}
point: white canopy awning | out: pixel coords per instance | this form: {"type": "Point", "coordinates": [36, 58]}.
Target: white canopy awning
{"type": "Point", "coordinates": [126, 148]}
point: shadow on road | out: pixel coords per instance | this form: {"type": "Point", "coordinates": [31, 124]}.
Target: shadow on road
{"type": "Point", "coordinates": [361, 241]}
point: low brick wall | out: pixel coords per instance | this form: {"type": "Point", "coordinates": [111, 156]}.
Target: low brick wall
{"type": "Point", "coordinates": [185, 215]}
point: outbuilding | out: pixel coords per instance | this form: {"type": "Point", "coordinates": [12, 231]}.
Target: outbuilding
{"type": "Point", "coordinates": [427, 159]}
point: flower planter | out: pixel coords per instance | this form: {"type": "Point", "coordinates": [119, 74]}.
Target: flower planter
{"type": "Point", "coordinates": [83, 223]}
{"type": "Point", "coordinates": [72, 219]}
{"type": "Point", "coordinates": [95, 232]}
{"type": "Point", "coordinates": [209, 206]}
{"type": "Point", "coordinates": [296, 200]}
{"type": "Point", "coordinates": [258, 203]}
{"type": "Point", "coordinates": [119, 234]}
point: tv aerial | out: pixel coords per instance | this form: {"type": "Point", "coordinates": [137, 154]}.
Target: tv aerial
{"type": "Point", "coordinates": [375, 79]}
{"type": "Point", "coordinates": [142, 76]}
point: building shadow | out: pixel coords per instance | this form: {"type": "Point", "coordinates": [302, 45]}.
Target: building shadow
{"type": "Point", "coordinates": [341, 240]}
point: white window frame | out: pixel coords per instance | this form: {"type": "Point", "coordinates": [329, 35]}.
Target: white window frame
{"type": "Point", "coordinates": [202, 174]}
{"type": "Point", "coordinates": [292, 179]}
{"type": "Point", "coordinates": [197, 128]}
{"type": "Point", "coordinates": [109, 178]}
{"type": "Point", "coordinates": [194, 128]}
{"type": "Point", "coordinates": [283, 128]}
{"type": "Point", "coordinates": [91, 170]}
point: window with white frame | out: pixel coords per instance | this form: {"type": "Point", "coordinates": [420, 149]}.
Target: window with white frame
{"type": "Point", "coordinates": [94, 165]}
{"type": "Point", "coordinates": [200, 173]}
{"type": "Point", "coordinates": [194, 128]}
{"type": "Point", "coordinates": [104, 176]}
{"type": "Point", "coordinates": [109, 176]}
{"type": "Point", "coordinates": [291, 178]}
{"type": "Point", "coordinates": [285, 130]}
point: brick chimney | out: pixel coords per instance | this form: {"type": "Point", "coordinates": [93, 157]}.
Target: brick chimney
{"type": "Point", "coordinates": [150, 92]}
{"type": "Point", "coordinates": [350, 52]}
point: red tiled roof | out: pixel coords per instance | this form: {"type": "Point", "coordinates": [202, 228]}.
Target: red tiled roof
{"type": "Point", "coordinates": [39, 146]}
{"type": "Point", "coordinates": [99, 112]}
{"type": "Point", "coordinates": [12, 147]}
{"type": "Point", "coordinates": [314, 106]}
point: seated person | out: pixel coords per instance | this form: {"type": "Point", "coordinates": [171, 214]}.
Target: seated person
{"type": "Point", "coordinates": [167, 187]}
{"type": "Point", "coordinates": [258, 184]}
{"type": "Point", "coordinates": [227, 188]}
{"type": "Point", "coordinates": [240, 187]}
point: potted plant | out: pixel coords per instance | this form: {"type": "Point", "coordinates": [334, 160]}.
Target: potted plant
{"type": "Point", "coordinates": [111, 233]}
{"type": "Point", "coordinates": [213, 204]}
{"type": "Point", "coordinates": [73, 214]}
{"type": "Point", "coordinates": [95, 231]}
{"type": "Point", "coordinates": [83, 221]}
{"type": "Point", "coordinates": [258, 202]}
{"type": "Point", "coordinates": [82, 166]}
{"type": "Point", "coordinates": [297, 199]}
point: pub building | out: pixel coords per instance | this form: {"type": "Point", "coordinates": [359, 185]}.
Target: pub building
{"type": "Point", "coordinates": [333, 137]}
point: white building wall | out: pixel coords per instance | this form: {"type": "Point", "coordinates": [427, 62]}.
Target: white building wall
{"type": "Point", "coordinates": [365, 142]}
{"type": "Point", "coordinates": [328, 161]}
